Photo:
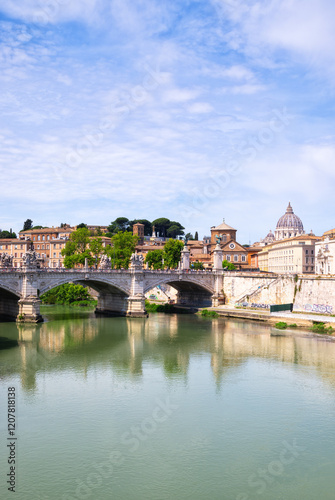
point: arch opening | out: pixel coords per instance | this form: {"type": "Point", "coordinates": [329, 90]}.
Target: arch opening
{"type": "Point", "coordinates": [9, 305]}
{"type": "Point", "coordinates": [112, 300]}
{"type": "Point", "coordinates": [189, 294]}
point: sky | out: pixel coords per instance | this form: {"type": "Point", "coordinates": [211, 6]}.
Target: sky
{"type": "Point", "coordinates": [192, 110]}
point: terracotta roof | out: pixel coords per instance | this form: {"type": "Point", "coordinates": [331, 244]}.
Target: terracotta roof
{"type": "Point", "coordinates": [331, 231]}
{"type": "Point", "coordinates": [222, 226]}
{"type": "Point", "coordinates": [48, 230]}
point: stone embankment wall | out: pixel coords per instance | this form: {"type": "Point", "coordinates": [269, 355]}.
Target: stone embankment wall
{"type": "Point", "coordinates": [308, 293]}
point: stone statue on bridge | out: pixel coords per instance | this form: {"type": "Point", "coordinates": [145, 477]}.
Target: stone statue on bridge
{"type": "Point", "coordinates": [31, 260]}
{"type": "Point", "coordinates": [6, 260]}
{"type": "Point", "coordinates": [136, 261]}
{"type": "Point", "coordinates": [105, 262]}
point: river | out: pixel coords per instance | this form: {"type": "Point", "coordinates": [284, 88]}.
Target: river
{"type": "Point", "coordinates": [173, 407]}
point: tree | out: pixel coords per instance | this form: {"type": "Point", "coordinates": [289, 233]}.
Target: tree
{"type": "Point", "coordinates": [28, 224]}
{"type": "Point", "coordinates": [7, 234]}
{"type": "Point", "coordinates": [196, 236]}
{"type": "Point", "coordinates": [161, 225]}
{"type": "Point", "coordinates": [66, 294]}
{"type": "Point", "coordinates": [96, 248]}
{"type": "Point", "coordinates": [76, 251]}
{"type": "Point", "coordinates": [81, 226]}
{"type": "Point", "coordinates": [228, 265]}
{"type": "Point", "coordinates": [172, 252]}
{"type": "Point", "coordinates": [120, 224]}
{"type": "Point", "coordinates": [189, 236]}
{"type": "Point", "coordinates": [154, 259]}
{"type": "Point", "coordinates": [123, 245]}
{"type": "Point", "coordinates": [175, 229]}
{"type": "Point", "coordinates": [197, 266]}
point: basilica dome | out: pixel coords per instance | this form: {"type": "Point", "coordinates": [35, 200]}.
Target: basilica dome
{"type": "Point", "coordinates": [289, 225]}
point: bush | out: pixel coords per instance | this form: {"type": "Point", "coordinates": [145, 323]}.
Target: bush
{"type": "Point", "coordinates": [281, 325]}
{"type": "Point", "coordinates": [205, 313]}
{"type": "Point", "coordinates": [164, 308]}
{"type": "Point", "coordinates": [66, 294]}
{"type": "Point", "coordinates": [294, 325]}
{"type": "Point", "coordinates": [319, 327]}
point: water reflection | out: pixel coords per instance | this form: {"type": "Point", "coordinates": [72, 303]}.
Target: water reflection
{"type": "Point", "coordinates": [166, 341]}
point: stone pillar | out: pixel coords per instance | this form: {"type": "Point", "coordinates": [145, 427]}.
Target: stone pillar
{"type": "Point", "coordinates": [218, 258]}
{"type": "Point", "coordinates": [185, 258]}
{"type": "Point", "coordinates": [29, 304]}
{"type": "Point", "coordinates": [218, 297]}
{"type": "Point", "coordinates": [136, 299]}
{"type": "Point", "coordinates": [29, 310]}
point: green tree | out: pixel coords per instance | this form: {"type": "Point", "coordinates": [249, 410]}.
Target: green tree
{"type": "Point", "coordinates": [154, 259]}
{"type": "Point", "coordinates": [120, 224]}
{"type": "Point", "coordinates": [196, 236]}
{"type": "Point", "coordinates": [175, 229]}
{"type": "Point", "coordinates": [76, 249]}
{"type": "Point", "coordinates": [189, 236]}
{"type": "Point", "coordinates": [28, 224]}
{"type": "Point", "coordinates": [122, 246]}
{"type": "Point", "coordinates": [66, 294]}
{"type": "Point", "coordinates": [228, 265]}
{"type": "Point", "coordinates": [197, 266]}
{"type": "Point", "coordinates": [96, 249]}
{"type": "Point", "coordinates": [161, 225]}
{"type": "Point", "coordinates": [82, 225]}
{"type": "Point", "coordinates": [7, 234]}
{"type": "Point", "coordinates": [172, 252]}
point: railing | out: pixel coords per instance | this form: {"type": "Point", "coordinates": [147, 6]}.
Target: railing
{"type": "Point", "coordinates": [102, 271]}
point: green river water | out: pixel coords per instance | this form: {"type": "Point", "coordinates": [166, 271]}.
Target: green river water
{"type": "Point", "coordinates": [173, 407]}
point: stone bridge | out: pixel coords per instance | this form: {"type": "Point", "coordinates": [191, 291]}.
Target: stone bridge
{"type": "Point", "coordinates": [121, 292]}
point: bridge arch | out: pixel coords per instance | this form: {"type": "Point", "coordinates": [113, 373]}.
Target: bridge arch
{"type": "Point", "coordinates": [9, 305]}
{"type": "Point", "coordinates": [112, 297]}
{"type": "Point", "coordinates": [191, 293]}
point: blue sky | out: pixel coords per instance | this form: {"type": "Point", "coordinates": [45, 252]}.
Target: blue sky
{"type": "Point", "coordinates": [192, 110]}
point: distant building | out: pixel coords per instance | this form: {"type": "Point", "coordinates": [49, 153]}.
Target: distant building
{"type": "Point", "coordinates": [325, 253]}
{"type": "Point", "coordinates": [295, 255]}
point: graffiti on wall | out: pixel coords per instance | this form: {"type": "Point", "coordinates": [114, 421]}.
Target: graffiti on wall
{"type": "Point", "coordinates": [320, 308]}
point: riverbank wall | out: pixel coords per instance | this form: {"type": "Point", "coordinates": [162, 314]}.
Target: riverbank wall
{"type": "Point", "coordinates": [308, 293]}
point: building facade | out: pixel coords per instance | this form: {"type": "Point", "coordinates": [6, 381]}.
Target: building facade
{"type": "Point", "coordinates": [295, 255]}
{"type": "Point", "coordinates": [325, 253]}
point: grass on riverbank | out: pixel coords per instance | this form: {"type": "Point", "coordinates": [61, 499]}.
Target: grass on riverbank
{"type": "Point", "coordinates": [205, 313]}
{"type": "Point", "coordinates": [151, 307]}
{"type": "Point", "coordinates": [320, 327]}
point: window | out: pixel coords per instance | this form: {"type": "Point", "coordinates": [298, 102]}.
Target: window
{"type": "Point", "coordinates": [39, 237]}
{"type": "Point", "coordinates": [235, 258]}
{"type": "Point", "coordinates": [306, 252]}
{"type": "Point", "coordinates": [38, 247]}
{"type": "Point", "coordinates": [43, 237]}
{"type": "Point", "coordinates": [228, 258]}
{"type": "Point", "coordinates": [243, 258]}
{"type": "Point", "coordinates": [15, 246]}
{"type": "Point", "coordinates": [48, 237]}
{"type": "Point", "coordinates": [54, 255]}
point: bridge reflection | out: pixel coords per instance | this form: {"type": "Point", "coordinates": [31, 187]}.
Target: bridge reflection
{"type": "Point", "coordinates": [173, 344]}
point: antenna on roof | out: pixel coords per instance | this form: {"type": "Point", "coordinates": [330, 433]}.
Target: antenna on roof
{"type": "Point", "coordinates": [224, 219]}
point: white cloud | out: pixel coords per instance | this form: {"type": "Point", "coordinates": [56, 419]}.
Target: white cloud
{"type": "Point", "coordinates": [200, 107]}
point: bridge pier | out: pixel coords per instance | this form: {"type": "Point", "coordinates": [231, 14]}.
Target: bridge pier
{"type": "Point", "coordinates": [29, 310]}
{"type": "Point", "coordinates": [112, 304]}
{"type": "Point", "coordinates": [136, 307]}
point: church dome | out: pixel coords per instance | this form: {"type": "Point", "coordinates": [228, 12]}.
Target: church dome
{"type": "Point", "coordinates": [289, 225]}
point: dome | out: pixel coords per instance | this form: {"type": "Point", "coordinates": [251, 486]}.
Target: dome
{"type": "Point", "coordinates": [270, 237]}
{"type": "Point", "coordinates": [289, 225]}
